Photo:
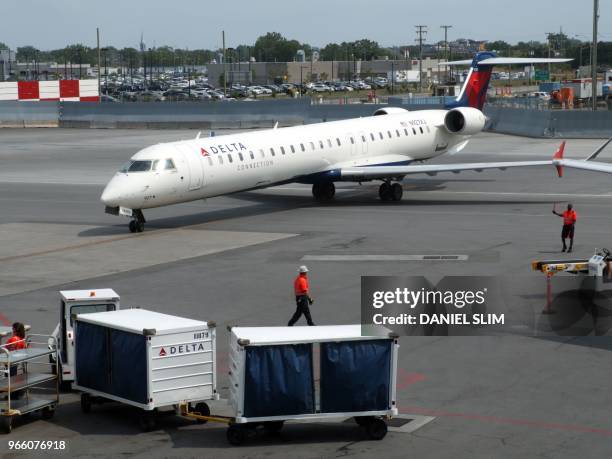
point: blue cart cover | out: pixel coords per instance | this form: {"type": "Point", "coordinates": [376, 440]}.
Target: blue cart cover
{"type": "Point", "coordinates": [278, 380]}
{"type": "Point", "coordinates": [355, 376]}
{"type": "Point", "coordinates": [91, 356]}
{"type": "Point", "coordinates": [111, 361]}
{"type": "Point", "coordinates": [129, 366]}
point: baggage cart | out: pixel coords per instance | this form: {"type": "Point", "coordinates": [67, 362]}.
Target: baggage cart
{"type": "Point", "coordinates": [27, 381]}
{"type": "Point", "coordinates": [279, 374]}
{"type": "Point", "coordinates": [145, 359]}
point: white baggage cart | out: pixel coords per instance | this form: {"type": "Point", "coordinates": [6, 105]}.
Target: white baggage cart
{"type": "Point", "coordinates": [309, 373]}
{"type": "Point", "coordinates": [145, 359]}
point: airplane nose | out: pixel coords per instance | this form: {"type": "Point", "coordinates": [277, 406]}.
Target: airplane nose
{"type": "Point", "coordinates": [110, 196]}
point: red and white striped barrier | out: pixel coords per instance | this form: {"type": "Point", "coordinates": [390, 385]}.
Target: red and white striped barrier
{"type": "Point", "coordinates": [64, 90]}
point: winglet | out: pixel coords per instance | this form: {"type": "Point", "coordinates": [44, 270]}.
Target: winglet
{"type": "Point", "coordinates": [559, 156]}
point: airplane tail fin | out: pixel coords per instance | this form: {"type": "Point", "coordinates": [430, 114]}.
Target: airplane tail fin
{"type": "Point", "coordinates": [474, 91]}
{"type": "Point", "coordinates": [559, 156]}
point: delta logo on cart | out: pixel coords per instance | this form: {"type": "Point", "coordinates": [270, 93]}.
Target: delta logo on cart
{"type": "Point", "coordinates": [182, 349]}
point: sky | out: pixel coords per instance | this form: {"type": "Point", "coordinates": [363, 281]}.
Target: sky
{"type": "Point", "coordinates": [193, 24]}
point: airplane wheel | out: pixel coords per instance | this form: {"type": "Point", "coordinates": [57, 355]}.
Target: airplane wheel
{"type": "Point", "coordinates": [384, 192]}
{"type": "Point", "coordinates": [324, 191]}
{"type": "Point", "coordinates": [396, 192]}
{"type": "Point", "coordinates": [132, 226]}
{"type": "Point", "coordinates": [139, 227]}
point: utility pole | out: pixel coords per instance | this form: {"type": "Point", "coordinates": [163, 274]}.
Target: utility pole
{"type": "Point", "coordinates": [446, 27]}
{"type": "Point", "coordinates": [421, 31]}
{"type": "Point", "coordinates": [594, 54]}
{"type": "Point", "coordinates": [224, 70]}
{"type": "Point", "coordinates": [549, 35]}
{"type": "Point", "coordinates": [98, 40]}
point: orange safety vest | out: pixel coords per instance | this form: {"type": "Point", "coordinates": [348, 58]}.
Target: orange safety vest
{"type": "Point", "coordinates": [300, 285]}
{"type": "Point", "coordinates": [15, 343]}
{"type": "Point", "coordinates": [569, 217]}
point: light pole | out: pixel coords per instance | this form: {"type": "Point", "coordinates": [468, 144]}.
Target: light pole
{"type": "Point", "coordinates": [594, 54]}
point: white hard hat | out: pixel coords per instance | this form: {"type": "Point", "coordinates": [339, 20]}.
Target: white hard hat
{"type": "Point", "coordinates": [303, 269]}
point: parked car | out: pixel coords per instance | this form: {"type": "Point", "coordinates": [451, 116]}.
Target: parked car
{"type": "Point", "coordinates": [320, 87]}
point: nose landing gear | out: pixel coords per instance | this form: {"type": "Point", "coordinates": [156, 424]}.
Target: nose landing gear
{"type": "Point", "coordinates": [138, 222]}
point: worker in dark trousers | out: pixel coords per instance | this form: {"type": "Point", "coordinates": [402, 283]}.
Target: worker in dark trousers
{"type": "Point", "coordinates": [302, 297]}
{"type": "Point", "coordinates": [569, 221]}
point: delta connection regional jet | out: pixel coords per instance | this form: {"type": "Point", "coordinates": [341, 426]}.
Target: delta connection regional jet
{"type": "Point", "coordinates": [380, 147]}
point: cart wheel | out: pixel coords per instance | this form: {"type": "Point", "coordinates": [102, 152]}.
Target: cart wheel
{"type": "Point", "coordinates": [236, 435]}
{"type": "Point", "coordinates": [47, 412]}
{"type": "Point", "coordinates": [85, 403]}
{"type": "Point", "coordinates": [273, 427]}
{"type": "Point", "coordinates": [376, 429]}
{"type": "Point", "coordinates": [203, 410]}
{"type": "Point", "coordinates": [148, 421]}
{"type": "Point", "coordinates": [7, 424]}
{"type": "Point", "coordinates": [363, 420]}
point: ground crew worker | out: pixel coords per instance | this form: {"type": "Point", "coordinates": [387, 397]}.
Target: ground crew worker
{"type": "Point", "coordinates": [14, 343]}
{"type": "Point", "coordinates": [302, 297]}
{"type": "Point", "coordinates": [569, 221]}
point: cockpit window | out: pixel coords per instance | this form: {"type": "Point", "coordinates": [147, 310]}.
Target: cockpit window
{"type": "Point", "coordinates": [136, 166]}
{"type": "Point", "coordinates": [170, 165]}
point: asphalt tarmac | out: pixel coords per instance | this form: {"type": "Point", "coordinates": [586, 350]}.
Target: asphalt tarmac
{"type": "Point", "coordinates": [232, 260]}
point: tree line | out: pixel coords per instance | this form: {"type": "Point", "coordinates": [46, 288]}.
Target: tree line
{"type": "Point", "coordinates": [273, 47]}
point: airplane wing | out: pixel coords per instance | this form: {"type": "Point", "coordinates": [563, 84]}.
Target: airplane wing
{"type": "Point", "coordinates": [587, 164]}
{"type": "Point", "coordinates": [383, 172]}
{"type": "Point", "coordinates": [509, 61]}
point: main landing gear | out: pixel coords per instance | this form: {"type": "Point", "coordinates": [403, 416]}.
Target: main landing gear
{"type": "Point", "coordinates": [390, 192]}
{"type": "Point", "coordinates": [138, 222]}
{"type": "Point", "coordinates": [324, 191]}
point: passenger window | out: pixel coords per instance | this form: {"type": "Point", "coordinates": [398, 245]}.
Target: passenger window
{"type": "Point", "coordinates": [414, 131]}
{"type": "Point", "coordinates": [292, 148]}
{"type": "Point", "coordinates": [302, 147]}
{"type": "Point", "coordinates": [312, 147]}
{"type": "Point", "coordinates": [405, 131]}
{"type": "Point", "coordinates": [169, 165]}
{"type": "Point", "coordinates": [389, 134]}
{"type": "Point", "coordinates": [397, 132]}
{"type": "Point", "coordinates": [230, 158]}
{"type": "Point", "coordinates": [220, 159]}
{"type": "Point", "coordinates": [241, 157]}
{"type": "Point", "coordinates": [427, 127]}
{"type": "Point", "coordinates": [372, 137]}
{"type": "Point", "coordinates": [329, 144]}
{"type": "Point", "coordinates": [338, 142]}
{"type": "Point", "coordinates": [421, 128]}
{"type": "Point", "coordinates": [210, 162]}
{"type": "Point", "coordinates": [363, 138]}
{"type": "Point", "coordinates": [352, 141]}
{"type": "Point", "coordinates": [321, 144]}
{"type": "Point", "coordinates": [272, 151]}
{"type": "Point", "coordinates": [380, 135]}
{"type": "Point", "coordinates": [262, 154]}
{"type": "Point", "coordinates": [283, 150]}
{"type": "Point", "coordinates": [251, 155]}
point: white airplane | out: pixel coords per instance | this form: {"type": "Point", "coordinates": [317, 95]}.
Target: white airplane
{"type": "Point", "coordinates": [380, 147]}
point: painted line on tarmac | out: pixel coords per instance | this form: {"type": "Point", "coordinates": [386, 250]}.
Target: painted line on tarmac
{"type": "Point", "coordinates": [510, 421]}
{"type": "Point", "coordinates": [380, 257]}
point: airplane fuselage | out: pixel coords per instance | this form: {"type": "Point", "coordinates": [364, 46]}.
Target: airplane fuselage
{"type": "Point", "coordinates": [213, 166]}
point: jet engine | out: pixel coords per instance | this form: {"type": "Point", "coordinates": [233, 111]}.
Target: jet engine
{"type": "Point", "coordinates": [464, 121]}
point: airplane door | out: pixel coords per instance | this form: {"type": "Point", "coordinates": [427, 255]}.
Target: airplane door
{"type": "Point", "coordinates": [350, 141]}
{"type": "Point", "coordinates": [364, 144]}
{"type": "Point", "coordinates": [194, 164]}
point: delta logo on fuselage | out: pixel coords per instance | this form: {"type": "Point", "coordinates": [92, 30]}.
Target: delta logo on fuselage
{"type": "Point", "coordinates": [223, 148]}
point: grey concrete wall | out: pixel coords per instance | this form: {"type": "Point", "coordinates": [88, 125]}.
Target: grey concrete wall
{"type": "Point", "coordinates": [550, 123]}
{"type": "Point", "coordinates": [29, 114]}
